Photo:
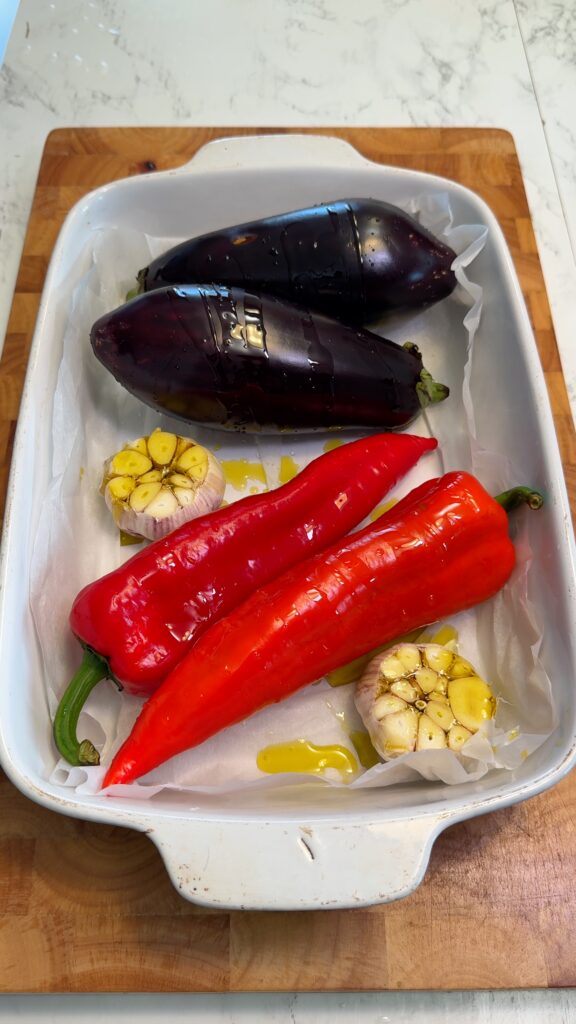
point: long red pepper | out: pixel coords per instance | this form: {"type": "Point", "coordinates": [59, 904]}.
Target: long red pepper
{"type": "Point", "coordinates": [442, 549]}
{"type": "Point", "coordinates": [137, 622]}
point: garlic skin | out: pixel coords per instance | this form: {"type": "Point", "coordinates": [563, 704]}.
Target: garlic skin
{"type": "Point", "coordinates": [158, 482]}
{"type": "Point", "coordinates": [421, 697]}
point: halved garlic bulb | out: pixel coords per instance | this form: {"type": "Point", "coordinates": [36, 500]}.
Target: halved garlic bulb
{"type": "Point", "coordinates": [421, 696]}
{"type": "Point", "coordinates": [156, 483]}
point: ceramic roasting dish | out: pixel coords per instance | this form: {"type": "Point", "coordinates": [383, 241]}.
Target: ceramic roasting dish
{"type": "Point", "coordinates": [301, 846]}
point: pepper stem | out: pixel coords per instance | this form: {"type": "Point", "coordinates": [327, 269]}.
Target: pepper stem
{"type": "Point", "coordinates": [517, 496]}
{"type": "Point", "coordinates": [76, 752]}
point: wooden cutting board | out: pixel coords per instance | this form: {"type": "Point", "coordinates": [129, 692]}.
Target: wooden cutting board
{"type": "Point", "coordinates": [86, 907]}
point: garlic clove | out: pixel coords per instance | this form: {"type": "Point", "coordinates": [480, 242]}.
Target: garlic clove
{"type": "Point", "coordinates": [391, 667]}
{"type": "Point", "coordinates": [458, 736]}
{"type": "Point", "coordinates": [409, 656]}
{"type": "Point", "coordinates": [438, 658]}
{"type": "Point", "coordinates": [440, 713]}
{"type": "Point", "coordinates": [399, 731]}
{"type": "Point", "coordinates": [130, 463]}
{"type": "Point", "coordinates": [471, 700]}
{"type": "Point", "coordinates": [121, 487]}
{"type": "Point", "coordinates": [460, 667]}
{"type": "Point", "coordinates": [427, 679]}
{"type": "Point", "coordinates": [151, 477]}
{"type": "Point", "coordinates": [139, 445]}
{"type": "Point", "coordinates": [194, 462]}
{"type": "Point", "coordinates": [387, 705]}
{"type": "Point", "coordinates": [180, 480]}
{"type": "Point", "coordinates": [403, 688]}
{"type": "Point", "coordinates": [185, 496]}
{"type": "Point", "coordinates": [165, 503]}
{"type": "Point", "coordinates": [431, 736]}
{"type": "Point", "coordinates": [143, 494]}
{"type": "Point", "coordinates": [162, 447]}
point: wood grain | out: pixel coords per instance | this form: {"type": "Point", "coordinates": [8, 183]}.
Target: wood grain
{"type": "Point", "coordinates": [85, 907]}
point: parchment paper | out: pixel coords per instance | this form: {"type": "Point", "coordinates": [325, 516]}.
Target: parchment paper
{"type": "Point", "coordinates": [93, 417]}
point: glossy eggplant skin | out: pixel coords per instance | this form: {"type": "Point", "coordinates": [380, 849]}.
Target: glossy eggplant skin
{"type": "Point", "coordinates": [243, 361]}
{"type": "Point", "coordinates": [354, 259]}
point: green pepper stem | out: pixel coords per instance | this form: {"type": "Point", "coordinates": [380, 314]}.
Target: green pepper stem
{"type": "Point", "coordinates": [92, 670]}
{"type": "Point", "coordinates": [517, 496]}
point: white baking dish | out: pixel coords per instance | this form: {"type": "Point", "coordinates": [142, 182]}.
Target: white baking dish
{"type": "Point", "coordinates": [301, 846]}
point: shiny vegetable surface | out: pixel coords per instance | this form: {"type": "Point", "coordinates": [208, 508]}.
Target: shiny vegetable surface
{"type": "Point", "coordinates": [225, 356]}
{"type": "Point", "coordinates": [353, 259]}
{"type": "Point", "coordinates": [442, 549]}
{"type": "Point", "coordinates": [138, 621]}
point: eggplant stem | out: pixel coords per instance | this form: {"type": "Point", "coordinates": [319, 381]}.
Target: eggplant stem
{"type": "Point", "coordinates": [430, 391]}
{"type": "Point", "coordinates": [78, 752]}
{"type": "Point", "coordinates": [517, 496]}
{"type": "Point", "coordinates": [139, 288]}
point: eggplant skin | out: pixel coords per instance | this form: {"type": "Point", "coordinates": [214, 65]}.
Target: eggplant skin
{"type": "Point", "coordinates": [354, 259]}
{"type": "Point", "coordinates": [244, 361]}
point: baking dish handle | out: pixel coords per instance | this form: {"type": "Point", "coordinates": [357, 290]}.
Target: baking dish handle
{"type": "Point", "coordinates": [263, 865]}
{"type": "Point", "coordinates": [281, 150]}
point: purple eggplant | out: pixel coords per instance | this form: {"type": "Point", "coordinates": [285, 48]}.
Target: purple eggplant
{"type": "Point", "coordinates": [247, 361]}
{"type": "Point", "coordinates": [353, 259]}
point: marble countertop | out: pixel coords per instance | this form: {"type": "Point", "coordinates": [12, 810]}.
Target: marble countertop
{"type": "Point", "coordinates": [501, 63]}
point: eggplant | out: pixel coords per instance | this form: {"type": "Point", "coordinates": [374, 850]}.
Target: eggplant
{"type": "Point", "coordinates": [247, 361]}
{"type": "Point", "coordinates": [354, 259]}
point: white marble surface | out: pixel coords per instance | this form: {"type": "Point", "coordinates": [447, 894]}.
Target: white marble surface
{"type": "Point", "coordinates": [549, 36]}
{"type": "Point", "coordinates": [303, 62]}
{"type": "Point", "coordinates": [535, 1007]}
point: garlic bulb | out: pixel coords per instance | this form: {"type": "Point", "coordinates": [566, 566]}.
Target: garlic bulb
{"type": "Point", "coordinates": [156, 483]}
{"type": "Point", "coordinates": [421, 696]}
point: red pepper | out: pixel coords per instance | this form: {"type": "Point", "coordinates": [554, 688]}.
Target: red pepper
{"type": "Point", "coordinates": [137, 622]}
{"type": "Point", "coordinates": [443, 548]}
